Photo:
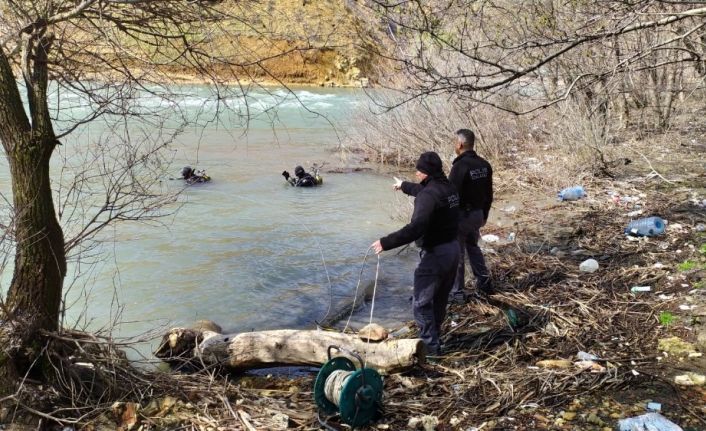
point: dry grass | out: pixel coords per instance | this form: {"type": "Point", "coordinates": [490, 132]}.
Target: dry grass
{"type": "Point", "coordinates": [562, 146]}
{"type": "Point", "coordinates": [489, 372]}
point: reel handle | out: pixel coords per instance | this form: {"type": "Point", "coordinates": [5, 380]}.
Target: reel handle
{"type": "Point", "coordinates": [346, 351]}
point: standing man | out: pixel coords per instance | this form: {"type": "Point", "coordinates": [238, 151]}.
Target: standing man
{"type": "Point", "coordinates": [473, 177]}
{"type": "Point", "coordinates": [434, 227]}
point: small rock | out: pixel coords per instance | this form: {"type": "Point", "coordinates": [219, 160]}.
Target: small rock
{"type": "Point", "coordinates": [675, 227]}
{"type": "Point", "coordinates": [430, 423]}
{"type": "Point", "coordinates": [280, 421]}
{"type": "Point", "coordinates": [594, 419]}
{"type": "Point", "coordinates": [690, 379]}
{"type": "Point", "coordinates": [568, 416]}
{"type": "Point", "coordinates": [675, 346]}
{"type": "Point", "coordinates": [552, 330]}
{"type": "Point", "coordinates": [427, 423]}
{"type": "Point", "coordinates": [701, 340]}
{"type": "Point", "coordinates": [589, 265]}
{"type": "Point", "coordinates": [615, 415]}
{"type": "Point", "coordinates": [540, 418]}
{"type": "Point", "coordinates": [167, 403]}
{"type": "Point", "coordinates": [555, 363]}
{"type": "Point", "coordinates": [373, 332]}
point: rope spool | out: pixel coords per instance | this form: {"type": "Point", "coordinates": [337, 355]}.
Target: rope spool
{"type": "Point", "coordinates": [334, 385]}
{"type": "Point", "coordinates": [355, 394]}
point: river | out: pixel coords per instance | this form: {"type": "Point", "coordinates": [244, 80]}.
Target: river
{"type": "Point", "coordinates": [247, 250]}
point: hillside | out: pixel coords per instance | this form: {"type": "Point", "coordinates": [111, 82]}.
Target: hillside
{"type": "Point", "coordinates": [292, 41]}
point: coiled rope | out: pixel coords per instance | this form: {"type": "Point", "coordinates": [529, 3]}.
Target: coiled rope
{"type": "Point", "coordinates": [334, 385]}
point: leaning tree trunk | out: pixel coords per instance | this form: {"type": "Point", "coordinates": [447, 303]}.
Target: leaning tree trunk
{"type": "Point", "coordinates": [34, 297]}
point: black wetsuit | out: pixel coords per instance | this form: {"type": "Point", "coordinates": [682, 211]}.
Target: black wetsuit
{"type": "Point", "coordinates": [305, 180]}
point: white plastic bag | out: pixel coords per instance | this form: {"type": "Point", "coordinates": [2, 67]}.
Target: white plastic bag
{"type": "Point", "coordinates": [648, 422]}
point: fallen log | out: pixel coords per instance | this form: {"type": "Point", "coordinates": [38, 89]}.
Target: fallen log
{"type": "Point", "coordinates": [285, 347]}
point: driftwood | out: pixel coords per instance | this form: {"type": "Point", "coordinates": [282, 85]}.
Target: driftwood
{"type": "Point", "coordinates": [284, 347]}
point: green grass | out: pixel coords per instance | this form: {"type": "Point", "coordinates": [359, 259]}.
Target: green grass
{"type": "Point", "coordinates": [666, 318]}
{"type": "Point", "coordinates": [702, 249]}
{"type": "Point", "coordinates": [687, 265]}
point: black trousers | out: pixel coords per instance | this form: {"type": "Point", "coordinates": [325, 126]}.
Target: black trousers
{"type": "Point", "coordinates": [469, 226]}
{"type": "Point", "coordinates": [433, 280]}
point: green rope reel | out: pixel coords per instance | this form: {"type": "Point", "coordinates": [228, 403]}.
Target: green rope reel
{"type": "Point", "coordinates": [355, 394]}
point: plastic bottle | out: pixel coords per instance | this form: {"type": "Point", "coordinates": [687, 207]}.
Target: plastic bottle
{"type": "Point", "coordinates": [571, 193]}
{"type": "Point", "coordinates": [649, 226]}
{"type": "Point", "coordinates": [584, 356]}
{"type": "Point", "coordinates": [638, 289]}
{"type": "Point", "coordinates": [654, 407]}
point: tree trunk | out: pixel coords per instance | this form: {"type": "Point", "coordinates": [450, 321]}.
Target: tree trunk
{"type": "Point", "coordinates": [34, 297]}
{"type": "Point", "coordinates": [286, 347]}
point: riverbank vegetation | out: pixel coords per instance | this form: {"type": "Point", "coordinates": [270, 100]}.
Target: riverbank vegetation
{"type": "Point", "coordinates": [609, 95]}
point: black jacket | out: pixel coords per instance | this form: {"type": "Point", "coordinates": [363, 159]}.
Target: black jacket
{"type": "Point", "coordinates": [435, 217]}
{"type": "Point", "coordinates": [473, 177]}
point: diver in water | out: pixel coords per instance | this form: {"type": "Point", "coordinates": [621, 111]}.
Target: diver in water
{"type": "Point", "coordinates": [192, 176]}
{"type": "Point", "coordinates": [302, 178]}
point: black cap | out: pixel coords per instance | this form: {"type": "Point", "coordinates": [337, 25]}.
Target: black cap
{"type": "Point", "coordinates": [429, 163]}
{"type": "Point", "coordinates": [299, 171]}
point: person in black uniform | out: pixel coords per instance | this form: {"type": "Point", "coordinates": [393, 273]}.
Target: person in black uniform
{"type": "Point", "coordinates": [473, 177]}
{"type": "Point", "coordinates": [434, 227]}
{"type": "Point", "coordinates": [301, 179]}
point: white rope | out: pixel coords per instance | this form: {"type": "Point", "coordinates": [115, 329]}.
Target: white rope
{"type": "Point", "coordinates": [372, 309]}
{"type": "Point", "coordinates": [357, 287]}
{"type": "Point", "coordinates": [334, 385]}
{"type": "Point", "coordinates": [318, 245]}
{"type": "Point", "coordinates": [323, 260]}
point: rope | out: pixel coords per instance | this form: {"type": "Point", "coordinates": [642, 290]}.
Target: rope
{"type": "Point", "coordinates": [372, 309]}
{"type": "Point", "coordinates": [330, 285]}
{"type": "Point", "coordinates": [334, 385]}
{"type": "Point", "coordinates": [357, 287]}
{"type": "Point", "coordinates": [323, 260]}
